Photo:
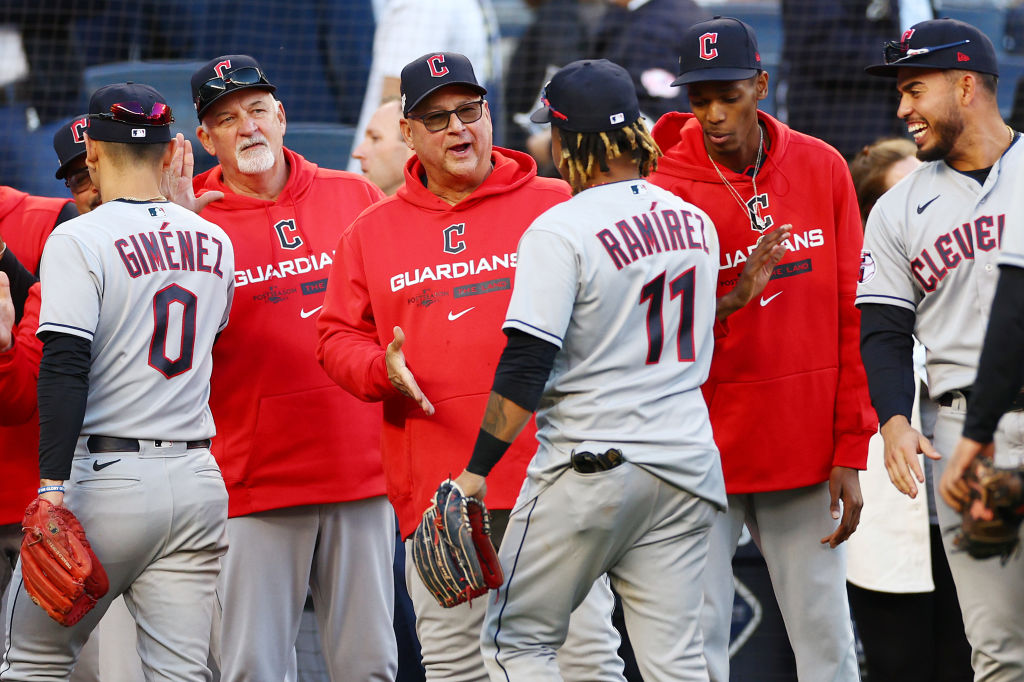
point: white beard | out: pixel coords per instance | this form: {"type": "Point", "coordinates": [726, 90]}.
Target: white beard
{"type": "Point", "coordinates": [255, 160]}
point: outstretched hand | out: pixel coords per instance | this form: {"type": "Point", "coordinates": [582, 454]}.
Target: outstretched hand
{"type": "Point", "coordinates": [176, 183]}
{"type": "Point", "coordinates": [756, 272]}
{"type": "Point", "coordinates": [399, 374]}
{"type": "Point", "coordinates": [902, 445]}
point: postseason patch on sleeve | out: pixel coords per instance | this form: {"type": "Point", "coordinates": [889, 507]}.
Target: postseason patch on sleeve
{"type": "Point", "coordinates": [867, 267]}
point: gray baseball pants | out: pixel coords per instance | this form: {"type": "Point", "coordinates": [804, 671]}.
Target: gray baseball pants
{"type": "Point", "coordinates": [156, 520]}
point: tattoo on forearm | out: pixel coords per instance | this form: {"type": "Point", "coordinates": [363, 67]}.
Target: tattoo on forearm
{"type": "Point", "coordinates": [495, 419]}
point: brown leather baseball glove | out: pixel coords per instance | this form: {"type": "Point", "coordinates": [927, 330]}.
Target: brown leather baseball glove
{"type": "Point", "coordinates": [61, 573]}
{"type": "Point", "coordinates": [990, 524]}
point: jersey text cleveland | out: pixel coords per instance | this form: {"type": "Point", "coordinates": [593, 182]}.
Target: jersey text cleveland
{"type": "Point", "coordinates": [950, 249]}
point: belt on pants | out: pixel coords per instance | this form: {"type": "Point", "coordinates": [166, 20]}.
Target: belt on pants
{"type": "Point", "coordinates": [110, 444]}
{"type": "Point", "coordinates": [590, 463]}
{"type": "Point", "coordinates": [947, 398]}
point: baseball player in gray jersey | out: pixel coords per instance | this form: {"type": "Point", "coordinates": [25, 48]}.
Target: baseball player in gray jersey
{"type": "Point", "coordinates": [929, 270]}
{"type": "Point", "coordinates": [627, 479]}
{"type": "Point", "coordinates": [134, 294]}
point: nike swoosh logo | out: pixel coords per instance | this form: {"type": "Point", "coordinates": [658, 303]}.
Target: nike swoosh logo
{"type": "Point", "coordinates": [454, 316]}
{"type": "Point", "coordinates": [96, 466]}
{"type": "Point", "coordinates": [304, 314]}
{"type": "Point", "coordinates": [922, 207]}
{"type": "Point", "coordinates": [766, 301]}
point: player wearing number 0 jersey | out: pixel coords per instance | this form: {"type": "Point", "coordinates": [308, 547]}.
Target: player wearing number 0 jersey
{"type": "Point", "coordinates": [134, 294]}
{"type": "Point", "coordinates": [626, 480]}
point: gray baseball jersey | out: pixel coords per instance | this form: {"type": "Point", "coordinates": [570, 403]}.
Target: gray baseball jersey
{"type": "Point", "coordinates": [931, 246]}
{"type": "Point", "coordinates": [622, 278]}
{"type": "Point", "coordinates": [149, 284]}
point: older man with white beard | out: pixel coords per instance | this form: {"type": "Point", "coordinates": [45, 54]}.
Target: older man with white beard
{"type": "Point", "coordinates": [300, 456]}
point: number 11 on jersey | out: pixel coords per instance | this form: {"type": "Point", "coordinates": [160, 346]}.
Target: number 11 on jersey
{"type": "Point", "coordinates": [653, 295]}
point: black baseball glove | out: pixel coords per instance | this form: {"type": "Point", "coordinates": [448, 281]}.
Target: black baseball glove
{"type": "Point", "coordinates": [452, 548]}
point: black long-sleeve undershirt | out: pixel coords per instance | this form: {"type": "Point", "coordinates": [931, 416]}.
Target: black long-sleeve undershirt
{"type": "Point", "coordinates": [522, 372]}
{"type": "Point", "coordinates": [887, 350]}
{"type": "Point", "coordinates": [1001, 367]}
{"type": "Point", "coordinates": [62, 389]}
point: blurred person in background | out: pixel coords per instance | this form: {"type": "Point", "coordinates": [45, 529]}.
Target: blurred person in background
{"type": "Point", "coordinates": [409, 28]}
{"type": "Point", "coordinates": [382, 153]}
{"type": "Point", "coordinates": [825, 46]}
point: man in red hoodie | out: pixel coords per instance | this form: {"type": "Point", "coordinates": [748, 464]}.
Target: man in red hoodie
{"type": "Point", "coordinates": [787, 392]}
{"type": "Point", "coordinates": [435, 264]}
{"type": "Point", "coordinates": [300, 457]}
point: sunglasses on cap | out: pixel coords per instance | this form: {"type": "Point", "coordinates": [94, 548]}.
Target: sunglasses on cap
{"type": "Point", "coordinates": [436, 121]}
{"type": "Point", "coordinates": [554, 112]}
{"type": "Point", "coordinates": [897, 52]}
{"type": "Point", "coordinates": [241, 77]}
{"type": "Point", "coordinates": [135, 114]}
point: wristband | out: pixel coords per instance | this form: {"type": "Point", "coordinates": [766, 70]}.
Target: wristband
{"type": "Point", "coordinates": [486, 453]}
{"type": "Point", "coordinates": [51, 489]}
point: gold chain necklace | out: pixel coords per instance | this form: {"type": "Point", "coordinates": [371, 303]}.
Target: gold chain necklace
{"type": "Point", "coordinates": [752, 210]}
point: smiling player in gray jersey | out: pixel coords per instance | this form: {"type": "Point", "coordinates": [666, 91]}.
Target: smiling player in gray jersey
{"type": "Point", "coordinates": [929, 269]}
{"type": "Point", "coordinates": [134, 294]}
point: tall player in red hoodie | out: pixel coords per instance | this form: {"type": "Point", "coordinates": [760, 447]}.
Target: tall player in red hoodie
{"type": "Point", "coordinates": [434, 265]}
{"type": "Point", "coordinates": [300, 457]}
{"type": "Point", "coordinates": [787, 392]}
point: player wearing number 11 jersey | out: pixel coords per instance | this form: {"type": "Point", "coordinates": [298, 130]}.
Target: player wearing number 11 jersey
{"type": "Point", "coordinates": [626, 479]}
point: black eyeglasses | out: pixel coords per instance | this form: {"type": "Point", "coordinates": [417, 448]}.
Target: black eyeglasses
{"type": "Point", "coordinates": [436, 121]}
{"type": "Point", "coordinates": [135, 113]}
{"type": "Point", "coordinates": [240, 77]}
{"type": "Point", "coordinates": [79, 181]}
{"type": "Point", "coordinates": [897, 52]}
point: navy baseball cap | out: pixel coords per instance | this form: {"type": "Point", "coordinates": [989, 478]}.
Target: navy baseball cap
{"type": "Point", "coordinates": [589, 96]}
{"type": "Point", "coordinates": [225, 74]}
{"type": "Point", "coordinates": [939, 44]}
{"type": "Point", "coordinates": [719, 49]}
{"type": "Point", "coordinates": [132, 113]}
{"type": "Point", "coordinates": [433, 71]}
{"type": "Point", "coordinates": [69, 143]}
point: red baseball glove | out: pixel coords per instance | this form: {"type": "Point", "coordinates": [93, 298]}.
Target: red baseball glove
{"type": "Point", "coordinates": [61, 573]}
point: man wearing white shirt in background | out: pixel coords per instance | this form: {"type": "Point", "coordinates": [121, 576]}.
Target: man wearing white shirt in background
{"type": "Point", "coordinates": [409, 28]}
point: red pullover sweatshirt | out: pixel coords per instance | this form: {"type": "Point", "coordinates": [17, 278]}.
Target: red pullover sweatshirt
{"type": "Point", "coordinates": [19, 421]}
{"type": "Point", "coordinates": [25, 223]}
{"type": "Point", "coordinates": [443, 274]}
{"type": "Point", "coordinates": [787, 392]}
{"type": "Point", "coordinates": [286, 434]}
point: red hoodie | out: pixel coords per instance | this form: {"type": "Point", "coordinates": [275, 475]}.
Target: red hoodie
{"type": "Point", "coordinates": [787, 391]}
{"type": "Point", "coordinates": [19, 423]}
{"type": "Point", "coordinates": [286, 434]}
{"type": "Point", "coordinates": [443, 274]}
{"type": "Point", "coordinates": [25, 223]}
